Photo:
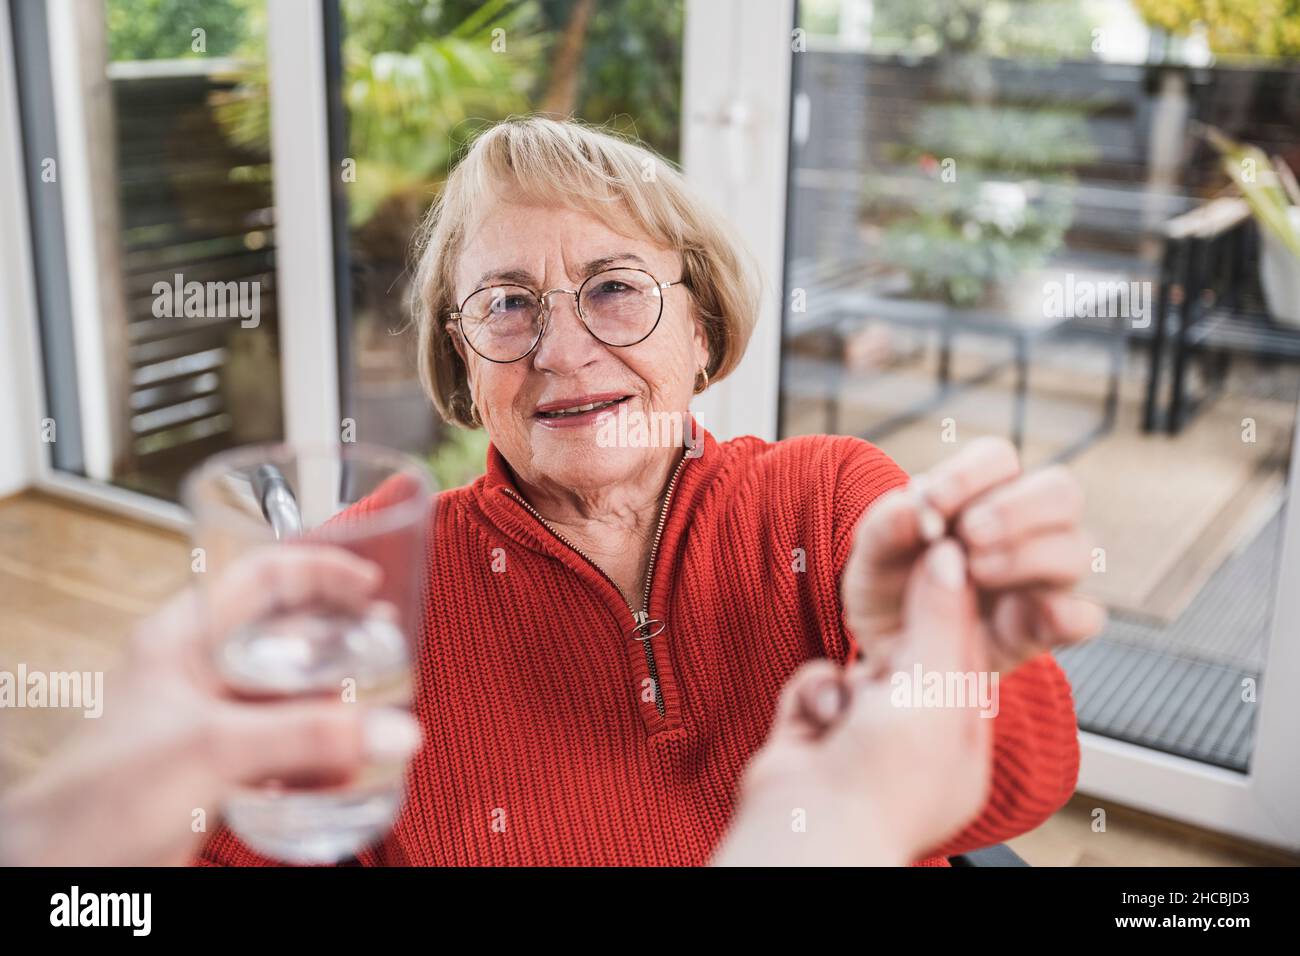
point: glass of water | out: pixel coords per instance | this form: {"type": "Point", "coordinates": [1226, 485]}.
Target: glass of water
{"type": "Point", "coordinates": [374, 503]}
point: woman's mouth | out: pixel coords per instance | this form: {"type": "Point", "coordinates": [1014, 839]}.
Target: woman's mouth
{"type": "Point", "coordinates": [580, 410]}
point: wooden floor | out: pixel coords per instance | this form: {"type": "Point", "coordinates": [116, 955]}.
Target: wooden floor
{"type": "Point", "coordinates": [1134, 838]}
{"type": "Point", "coordinates": [73, 582]}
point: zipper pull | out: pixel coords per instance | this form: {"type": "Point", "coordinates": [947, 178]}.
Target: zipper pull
{"type": "Point", "coordinates": [645, 629]}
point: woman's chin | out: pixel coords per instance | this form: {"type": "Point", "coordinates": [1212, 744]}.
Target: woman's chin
{"type": "Point", "coordinates": [574, 458]}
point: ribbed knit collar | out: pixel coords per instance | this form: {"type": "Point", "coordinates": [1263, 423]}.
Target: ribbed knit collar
{"type": "Point", "coordinates": [494, 491]}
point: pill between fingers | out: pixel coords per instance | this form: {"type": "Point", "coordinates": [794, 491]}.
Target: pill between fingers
{"type": "Point", "coordinates": [930, 522]}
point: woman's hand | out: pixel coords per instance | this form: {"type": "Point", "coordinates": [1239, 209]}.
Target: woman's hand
{"type": "Point", "coordinates": [850, 777]}
{"type": "Point", "coordinates": [171, 741]}
{"type": "Point", "coordinates": [1025, 545]}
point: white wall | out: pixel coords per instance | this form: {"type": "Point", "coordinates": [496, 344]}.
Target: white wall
{"type": "Point", "coordinates": [17, 469]}
{"type": "Point", "coordinates": [19, 419]}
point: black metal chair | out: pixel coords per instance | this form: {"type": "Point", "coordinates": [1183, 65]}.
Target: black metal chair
{"type": "Point", "coordinates": [1207, 306]}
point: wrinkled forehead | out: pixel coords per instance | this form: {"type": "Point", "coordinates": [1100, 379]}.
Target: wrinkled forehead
{"type": "Point", "coordinates": [524, 236]}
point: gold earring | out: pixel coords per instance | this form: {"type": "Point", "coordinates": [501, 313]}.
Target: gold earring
{"type": "Point", "coordinates": [698, 387]}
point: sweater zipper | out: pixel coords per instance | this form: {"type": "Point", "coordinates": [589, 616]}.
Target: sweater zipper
{"type": "Point", "coordinates": [642, 624]}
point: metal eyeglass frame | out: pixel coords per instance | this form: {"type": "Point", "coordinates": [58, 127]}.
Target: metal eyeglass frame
{"type": "Point", "coordinates": [543, 299]}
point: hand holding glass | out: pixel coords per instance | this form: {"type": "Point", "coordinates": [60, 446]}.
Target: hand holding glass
{"type": "Point", "coordinates": [330, 641]}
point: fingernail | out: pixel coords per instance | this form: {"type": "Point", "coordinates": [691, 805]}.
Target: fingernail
{"type": "Point", "coordinates": [931, 524]}
{"type": "Point", "coordinates": [947, 565]}
{"type": "Point", "coordinates": [390, 734]}
{"type": "Point", "coordinates": [933, 490]}
{"type": "Point", "coordinates": [826, 702]}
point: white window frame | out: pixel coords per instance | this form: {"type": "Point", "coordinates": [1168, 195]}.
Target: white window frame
{"type": "Point", "coordinates": [1263, 804]}
{"type": "Point", "coordinates": [735, 131]}
{"type": "Point", "coordinates": [20, 378]}
{"type": "Point", "coordinates": [731, 72]}
{"type": "Point", "coordinates": [305, 264]}
{"type": "Point", "coordinates": [24, 390]}
{"type": "Point", "coordinates": [300, 165]}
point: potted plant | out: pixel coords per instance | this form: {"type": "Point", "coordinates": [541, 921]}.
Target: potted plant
{"type": "Point", "coordinates": [963, 238]}
{"type": "Point", "coordinates": [1270, 190]}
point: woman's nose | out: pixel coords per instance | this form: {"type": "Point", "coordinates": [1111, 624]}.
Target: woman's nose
{"type": "Point", "coordinates": [566, 344]}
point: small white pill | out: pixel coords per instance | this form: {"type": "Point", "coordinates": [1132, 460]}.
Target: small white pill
{"type": "Point", "coordinates": [930, 522]}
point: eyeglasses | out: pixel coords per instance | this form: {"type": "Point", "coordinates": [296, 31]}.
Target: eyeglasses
{"type": "Point", "coordinates": [619, 307]}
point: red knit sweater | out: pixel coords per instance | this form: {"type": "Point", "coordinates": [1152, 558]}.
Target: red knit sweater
{"type": "Point", "coordinates": [542, 746]}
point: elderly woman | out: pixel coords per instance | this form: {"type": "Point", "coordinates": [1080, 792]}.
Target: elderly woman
{"type": "Point", "coordinates": [610, 617]}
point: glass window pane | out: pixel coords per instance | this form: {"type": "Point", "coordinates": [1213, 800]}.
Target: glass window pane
{"type": "Point", "coordinates": [175, 354]}
{"type": "Point", "coordinates": [979, 223]}
{"type": "Point", "coordinates": [197, 230]}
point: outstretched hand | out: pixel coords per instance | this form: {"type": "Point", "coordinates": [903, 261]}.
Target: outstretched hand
{"type": "Point", "coordinates": [851, 774]}
{"type": "Point", "coordinates": [1027, 551]}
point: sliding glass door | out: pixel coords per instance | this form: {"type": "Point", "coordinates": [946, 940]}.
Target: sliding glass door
{"type": "Point", "coordinates": [147, 175]}
{"type": "Point", "coordinates": [999, 227]}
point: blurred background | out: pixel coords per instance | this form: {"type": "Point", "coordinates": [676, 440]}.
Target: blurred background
{"type": "Point", "coordinates": [1053, 220]}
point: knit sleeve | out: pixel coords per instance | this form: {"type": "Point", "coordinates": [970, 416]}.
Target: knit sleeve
{"type": "Point", "coordinates": [1035, 756]}
{"type": "Point", "coordinates": [1035, 734]}
{"type": "Point", "coordinates": [865, 473]}
{"type": "Point", "coordinates": [857, 474]}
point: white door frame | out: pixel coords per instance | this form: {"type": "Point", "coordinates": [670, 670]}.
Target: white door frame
{"type": "Point", "coordinates": [23, 392]}
{"type": "Point", "coordinates": [20, 371]}
{"type": "Point", "coordinates": [737, 89]}
{"type": "Point", "coordinates": [300, 164]}
{"type": "Point", "coordinates": [304, 263]}
{"type": "Point", "coordinates": [735, 129]}
{"type": "Point", "coordinates": [1263, 804]}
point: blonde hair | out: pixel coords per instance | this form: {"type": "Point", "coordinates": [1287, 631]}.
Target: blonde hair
{"type": "Point", "coordinates": [546, 161]}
